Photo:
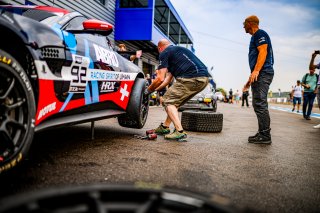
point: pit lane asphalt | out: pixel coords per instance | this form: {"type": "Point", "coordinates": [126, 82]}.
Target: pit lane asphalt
{"type": "Point", "coordinates": [281, 177]}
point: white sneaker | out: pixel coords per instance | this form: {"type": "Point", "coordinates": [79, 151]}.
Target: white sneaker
{"type": "Point", "coordinates": [317, 126]}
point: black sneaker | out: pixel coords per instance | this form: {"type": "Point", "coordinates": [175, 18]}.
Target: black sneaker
{"type": "Point", "coordinates": [260, 139]}
{"type": "Point", "coordinates": [308, 118]}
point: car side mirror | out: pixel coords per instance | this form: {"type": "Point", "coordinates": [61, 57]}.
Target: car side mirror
{"type": "Point", "coordinates": [97, 26]}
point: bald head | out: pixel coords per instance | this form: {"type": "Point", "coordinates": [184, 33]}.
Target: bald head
{"type": "Point", "coordinates": [253, 20]}
{"type": "Point", "coordinates": [163, 44]}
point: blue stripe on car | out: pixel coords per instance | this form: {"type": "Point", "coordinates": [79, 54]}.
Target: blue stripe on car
{"type": "Point", "coordinates": [66, 102]}
{"type": "Point", "coordinates": [94, 84]}
{"type": "Point", "coordinates": [87, 95]}
{"type": "Point", "coordinates": [70, 41]}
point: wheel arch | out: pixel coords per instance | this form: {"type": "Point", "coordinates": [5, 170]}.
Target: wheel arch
{"type": "Point", "coordinates": [13, 42]}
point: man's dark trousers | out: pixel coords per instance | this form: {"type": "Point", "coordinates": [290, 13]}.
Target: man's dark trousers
{"type": "Point", "coordinates": [260, 90]}
{"type": "Point", "coordinates": [308, 99]}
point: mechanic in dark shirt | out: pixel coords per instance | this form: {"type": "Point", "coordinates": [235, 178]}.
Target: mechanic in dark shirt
{"type": "Point", "coordinates": [261, 65]}
{"type": "Point", "coordinates": [191, 77]}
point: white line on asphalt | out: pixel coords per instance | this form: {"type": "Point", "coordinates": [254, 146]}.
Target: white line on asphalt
{"type": "Point", "coordinates": [314, 115]}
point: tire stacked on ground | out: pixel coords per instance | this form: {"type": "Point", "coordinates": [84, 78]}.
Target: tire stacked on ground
{"type": "Point", "coordinates": [202, 121]}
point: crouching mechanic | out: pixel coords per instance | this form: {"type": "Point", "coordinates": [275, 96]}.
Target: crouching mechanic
{"type": "Point", "coordinates": [191, 77]}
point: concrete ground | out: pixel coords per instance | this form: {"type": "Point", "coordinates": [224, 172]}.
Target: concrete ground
{"type": "Point", "coordinates": [281, 177]}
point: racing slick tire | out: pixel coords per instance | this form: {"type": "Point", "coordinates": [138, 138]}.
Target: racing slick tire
{"type": "Point", "coordinates": [17, 112]}
{"type": "Point", "coordinates": [202, 121]}
{"type": "Point", "coordinates": [138, 107]}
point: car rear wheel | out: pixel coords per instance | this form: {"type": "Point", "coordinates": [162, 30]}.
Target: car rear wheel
{"type": "Point", "coordinates": [17, 111]}
{"type": "Point", "coordinates": [214, 105]}
{"type": "Point", "coordinates": [138, 107]}
{"type": "Point", "coordinates": [202, 121]}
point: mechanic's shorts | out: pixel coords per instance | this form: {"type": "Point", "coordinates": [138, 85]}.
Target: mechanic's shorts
{"type": "Point", "coordinates": [183, 89]}
{"type": "Point", "coordinates": [296, 99]}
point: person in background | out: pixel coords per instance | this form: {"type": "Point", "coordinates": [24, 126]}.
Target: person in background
{"type": "Point", "coordinates": [297, 92]}
{"type": "Point", "coordinates": [314, 66]}
{"type": "Point", "coordinates": [244, 98]}
{"type": "Point", "coordinates": [148, 78]}
{"type": "Point", "coordinates": [191, 77]}
{"type": "Point", "coordinates": [237, 96]}
{"type": "Point", "coordinates": [123, 52]}
{"type": "Point", "coordinates": [262, 72]}
{"type": "Point", "coordinates": [231, 96]}
{"type": "Point", "coordinates": [309, 82]}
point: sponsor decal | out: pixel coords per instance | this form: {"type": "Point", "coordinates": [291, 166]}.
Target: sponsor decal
{"type": "Point", "coordinates": [108, 86]}
{"type": "Point", "coordinates": [124, 92]}
{"type": "Point", "coordinates": [12, 163]}
{"type": "Point", "coordinates": [262, 39]}
{"type": "Point", "coordinates": [5, 59]}
{"type": "Point", "coordinates": [104, 75]}
{"type": "Point", "coordinates": [106, 56]}
{"type": "Point", "coordinates": [47, 109]}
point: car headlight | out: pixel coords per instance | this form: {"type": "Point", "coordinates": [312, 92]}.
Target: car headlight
{"type": "Point", "coordinates": [200, 99]}
{"type": "Point", "coordinates": [207, 100]}
{"type": "Point", "coordinates": [154, 95]}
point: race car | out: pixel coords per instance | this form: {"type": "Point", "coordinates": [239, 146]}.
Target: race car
{"type": "Point", "coordinates": [57, 68]}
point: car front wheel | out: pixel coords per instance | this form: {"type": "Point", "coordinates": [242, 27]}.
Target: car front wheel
{"type": "Point", "coordinates": [17, 111]}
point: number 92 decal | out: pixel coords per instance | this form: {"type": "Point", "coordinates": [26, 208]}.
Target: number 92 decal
{"type": "Point", "coordinates": [78, 79]}
{"type": "Point", "coordinates": [77, 73]}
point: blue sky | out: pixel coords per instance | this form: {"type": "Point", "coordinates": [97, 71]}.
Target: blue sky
{"type": "Point", "coordinates": [220, 40]}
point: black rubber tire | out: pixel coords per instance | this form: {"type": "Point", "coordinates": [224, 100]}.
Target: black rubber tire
{"type": "Point", "coordinates": [17, 112]}
{"type": "Point", "coordinates": [202, 121]}
{"type": "Point", "coordinates": [143, 198]}
{"type": "Point", "coordinates": [138, 107]}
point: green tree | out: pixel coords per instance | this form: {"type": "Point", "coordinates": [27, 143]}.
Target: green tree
{"type": "Point", "coordinates": [222, 91]}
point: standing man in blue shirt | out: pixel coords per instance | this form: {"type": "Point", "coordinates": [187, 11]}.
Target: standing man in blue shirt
{"type": "Point", "coordinates": [261, 66]}
{"type": "Point", "coordinates": [191, 77]}
{"type": "Point", "coordinates": [314, 66]}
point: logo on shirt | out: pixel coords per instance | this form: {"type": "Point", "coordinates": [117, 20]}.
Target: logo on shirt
{"type": "Point", "coordinates": [262, 39]}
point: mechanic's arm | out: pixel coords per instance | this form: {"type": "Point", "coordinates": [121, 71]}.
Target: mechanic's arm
{"type": "Point", "coordinates": [166, 81]}
{"type": "Point", "coordinates": [260, 62]}
{"type": "Point", "coordinates": [311, 65]}
{"type": "Point", "coordinates": [161, 73]}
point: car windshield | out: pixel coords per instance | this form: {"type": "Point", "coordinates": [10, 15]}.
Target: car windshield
{"type": "Point", "coordinates": [51, 20]}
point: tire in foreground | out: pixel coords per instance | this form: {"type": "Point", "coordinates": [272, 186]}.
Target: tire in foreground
{"type": "Point", "coordinates": [202, 121]}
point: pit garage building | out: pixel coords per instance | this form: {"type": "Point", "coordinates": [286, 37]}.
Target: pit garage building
{"type": "Point", "coordinates": [139, 24]}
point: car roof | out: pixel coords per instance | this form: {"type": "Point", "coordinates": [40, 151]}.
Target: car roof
{"type": "Point", "coordinates": [34, 7]}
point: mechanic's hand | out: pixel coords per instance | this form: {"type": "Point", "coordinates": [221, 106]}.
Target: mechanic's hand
{"type": "Point", "coordinates": [246, 86]}
{"type": "Point", "coordinates": [254, 76]}
{"type": "Point", "coordinates": [147, 91]}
